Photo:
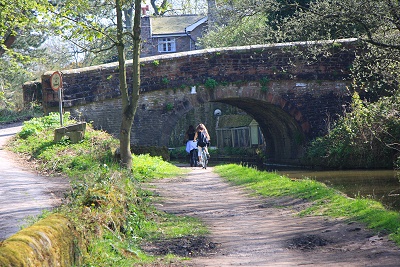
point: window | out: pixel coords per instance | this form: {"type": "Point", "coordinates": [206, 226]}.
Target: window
{"type": "Point", "coordinates": [166, 45]}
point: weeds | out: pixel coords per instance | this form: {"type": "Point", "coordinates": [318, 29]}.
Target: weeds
{"type": "Point", "coordinates": [210, 84]}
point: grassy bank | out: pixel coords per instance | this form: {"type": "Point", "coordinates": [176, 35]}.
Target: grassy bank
{"type": "Point", "coordinates": [325, 200]}
{"type": "Point", "coordinates": [112, 214]}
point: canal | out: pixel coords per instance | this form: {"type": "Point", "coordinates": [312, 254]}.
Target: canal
{"type": "Point", "coordinates": [381, 185]}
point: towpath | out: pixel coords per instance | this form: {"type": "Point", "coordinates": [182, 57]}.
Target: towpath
{"type": "Point", "coordinates": [254, 231]}
{"type": "Point", "coordinates": [23, 193]}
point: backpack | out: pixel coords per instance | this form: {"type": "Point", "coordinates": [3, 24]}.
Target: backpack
{"type": "Point", "coordinates": [202, 140]}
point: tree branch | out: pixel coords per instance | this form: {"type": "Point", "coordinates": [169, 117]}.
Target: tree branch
{"type": "Point", "coordinates": [8, 42]}
{"type": "Point", "coordinates": [86, 25]}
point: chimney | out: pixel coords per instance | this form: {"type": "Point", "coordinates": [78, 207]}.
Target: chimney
{"type": "Point", "coordinates": [144, 10]}
{"type": "Point", "coordinates": [145, 26]}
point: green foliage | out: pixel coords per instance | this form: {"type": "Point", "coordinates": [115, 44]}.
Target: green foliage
{"type": "Point", "coordinates": [169, 106]}
{"type": "Point", "coordinates": [323, 200]}
{"type": "Point", "coordinates": [374, 24]}
{"type": "Point", "coordinates": [264, 81]}
{"type": "Point", "coordinates": [240, 30]}
{"type": "Point", "coordinates": [36, 125]}
{"type": "Point", "coordinates": [367, 137]}
{"type": "Point", "coordinates": [11, 115]}
{"type": "Point", "coordinates": [178, 153]}
{"type": "Point", "coordinates": [210, 84]}
{"type": "Point", "coordinates": [154, 151]}
{"type": "Point", "coordinates": [165, 80]}
{"type": "Point", "coordinates": [23, 29]}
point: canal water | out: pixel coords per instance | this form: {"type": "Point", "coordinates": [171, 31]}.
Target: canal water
{"type": "Point", "coordinates": [381, 185]}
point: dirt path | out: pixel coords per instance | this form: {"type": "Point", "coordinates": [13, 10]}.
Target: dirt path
{"type": "Point", "coordinates": [250, 231]}
{"type": "Point", "coordinates": [22, 192]}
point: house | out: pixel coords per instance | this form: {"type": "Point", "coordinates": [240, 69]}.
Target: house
{"type": "Point", "coordinates": [238, 131]}
{"type": "Point", "coordinates": [171, 34]}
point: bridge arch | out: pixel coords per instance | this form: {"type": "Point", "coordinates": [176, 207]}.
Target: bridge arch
{"type": "Point", "coordinates": [284, 127]}
{"type": "Point", "coordinates": [284, 136]}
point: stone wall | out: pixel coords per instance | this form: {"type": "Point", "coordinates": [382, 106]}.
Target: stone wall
{"type": "Point", "coordinates": [32, 92]}
{"type": "Point", "coordinates": [52, 241]}
{"type": "Point", "coordinates": [290, 96]}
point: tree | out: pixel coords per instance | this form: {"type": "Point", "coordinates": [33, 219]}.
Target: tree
{"type": "Point", "coordinates": [22, 32]}
{"type": "Point", "coordinates": [160, 9]}
{"type": "Point", "coordinates": [178, 7]}
{"type": "Point", "coordinates": [103, 22]}
{"type": "Point", "coordinates": [374, 23]}
{"type": "Point", "coordinates": [234, 23]}
{"type": "Point", "coordinates": [15, 17]}
{"type": "Point", "coordinates": [129, 104]}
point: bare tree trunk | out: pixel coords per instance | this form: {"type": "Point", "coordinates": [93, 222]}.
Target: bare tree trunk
{"type": "Point", "coordinates": [129, 105]}
{"type": "Point", "coordinates": [124, 139]}
{"type": "Point", "coordinates": [136, 59]}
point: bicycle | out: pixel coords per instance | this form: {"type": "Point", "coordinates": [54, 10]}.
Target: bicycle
{"type": "Point", "coordinates": [203, 158]}
{"type": "Point", "coordinates": [193, 157]}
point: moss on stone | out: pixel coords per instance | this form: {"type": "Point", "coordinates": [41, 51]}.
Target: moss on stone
{"type": "Point", "coordinates": [49, 242]}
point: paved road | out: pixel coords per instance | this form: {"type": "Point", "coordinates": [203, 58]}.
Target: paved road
{"type": "Point", "coordinates": [23, 193]}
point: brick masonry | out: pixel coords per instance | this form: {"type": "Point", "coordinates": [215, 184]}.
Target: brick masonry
{"type": "Point", "coordinates": [292, 98]}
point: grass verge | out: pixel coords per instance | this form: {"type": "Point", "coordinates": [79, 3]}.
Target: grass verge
{"type": "Point", "coordinates": [325, 200]}
{"type": "Point", "coordinates": [106, 204]}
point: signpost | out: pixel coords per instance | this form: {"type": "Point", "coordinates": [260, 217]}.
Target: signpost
{"type": "Point", "coordinates": [56, 85]}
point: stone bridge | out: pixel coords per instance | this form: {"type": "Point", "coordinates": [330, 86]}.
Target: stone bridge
{"type": "Point", "coordinates": [292, 94]}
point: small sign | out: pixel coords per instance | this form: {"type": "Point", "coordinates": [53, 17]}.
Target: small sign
{"type": "Point", "coordinates": [56, 81]}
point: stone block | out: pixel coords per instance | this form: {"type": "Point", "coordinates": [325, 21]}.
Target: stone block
{"type": "Point", "coordinates": [75, 132]}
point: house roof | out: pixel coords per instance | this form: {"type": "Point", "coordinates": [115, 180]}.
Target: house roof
{"type": "Point", "coordinates": [175, 24]}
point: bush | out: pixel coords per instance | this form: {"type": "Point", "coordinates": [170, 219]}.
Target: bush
{"type": "Point", "coordinates": [367, 137]}
{"type": "Point", "coordinates": [153, 151]}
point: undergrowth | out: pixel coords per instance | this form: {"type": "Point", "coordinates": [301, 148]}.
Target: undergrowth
{"type": "Point", "coordinates": [325, 200]}
{"type": "Point", "coordinates": [9, 115]}
{"type": "Point", "coordinates": [106, 204]}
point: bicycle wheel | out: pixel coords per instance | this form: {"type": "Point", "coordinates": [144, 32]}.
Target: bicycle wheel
{"type": "Point", "coordinates": [193, 158]}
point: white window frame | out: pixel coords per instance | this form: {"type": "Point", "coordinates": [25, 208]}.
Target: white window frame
{"type": "Point", "coordinates": [166, 45]}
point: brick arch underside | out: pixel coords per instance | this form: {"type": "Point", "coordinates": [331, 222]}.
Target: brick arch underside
{"type": "Point", "coordinates": [283, 135]}
{"type": "Point", "coordinates": [282, 126]}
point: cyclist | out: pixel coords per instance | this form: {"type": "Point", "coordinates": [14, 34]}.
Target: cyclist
{"type": "Point", "coordinates": [203, 139]}
{"type": "Point", "coordinates": [191, 145]}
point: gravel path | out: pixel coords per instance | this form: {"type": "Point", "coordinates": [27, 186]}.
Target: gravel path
{"type": "Point", "coordinates": [252, 231]}
{"type": "Point", "coordinates": [23, 193]}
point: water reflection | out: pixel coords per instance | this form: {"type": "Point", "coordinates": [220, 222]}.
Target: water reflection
{"type": "Point", "coordinates": [381, 185]}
